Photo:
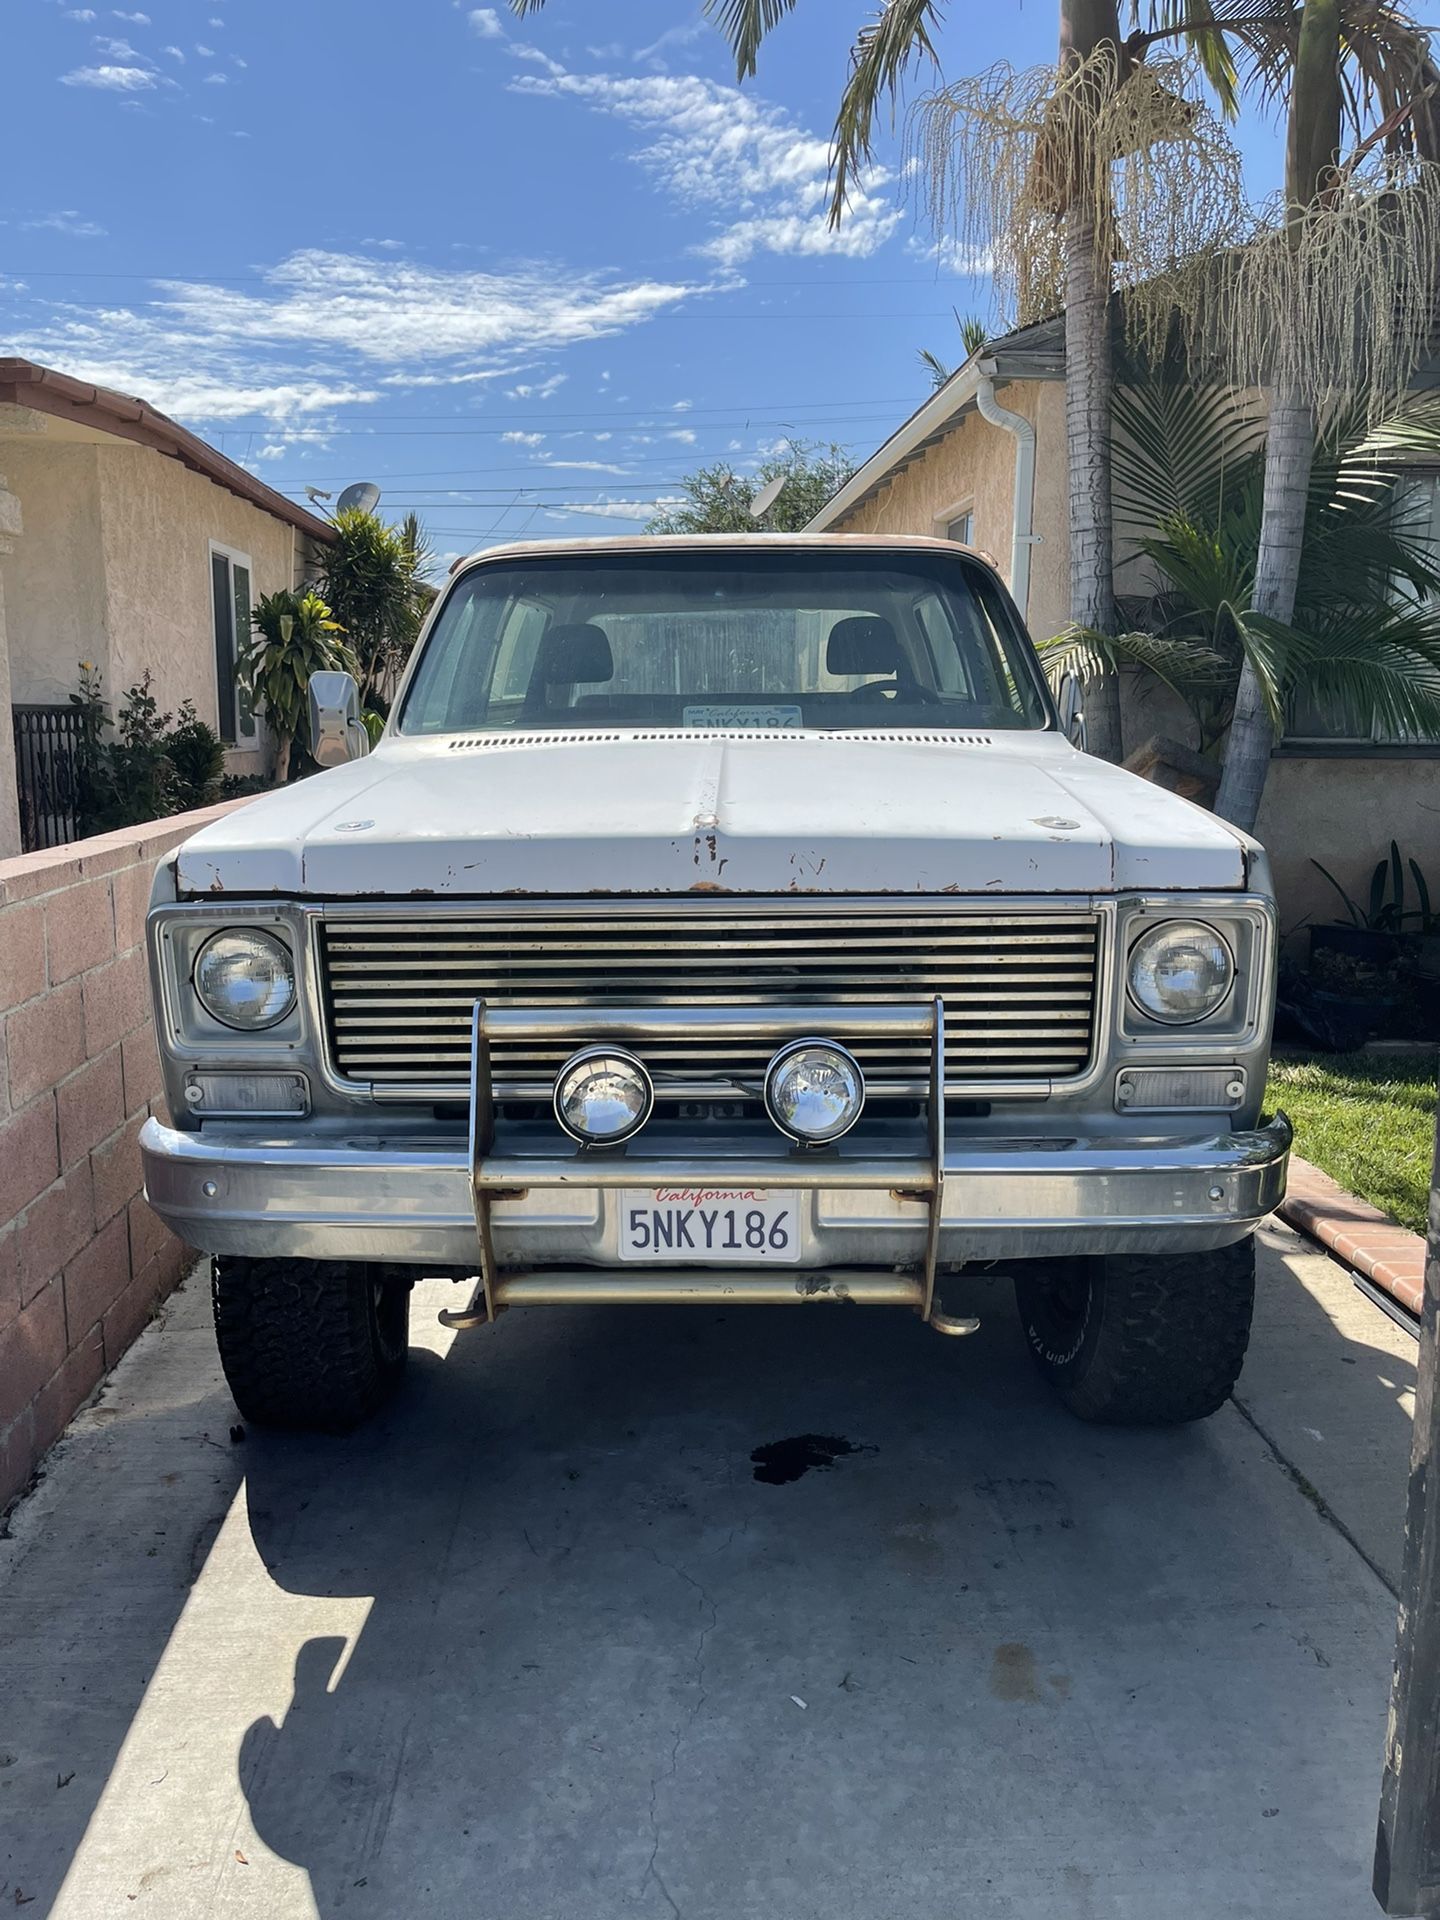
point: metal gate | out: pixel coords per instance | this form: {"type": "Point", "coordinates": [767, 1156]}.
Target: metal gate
{"type": "Point", "coordinates": [47, 774]}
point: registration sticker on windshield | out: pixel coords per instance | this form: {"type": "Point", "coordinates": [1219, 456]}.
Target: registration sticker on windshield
{"type": "Point", "coordinates": [743, 717]}
{"type": "Point", "coordinates": [706, 1226]}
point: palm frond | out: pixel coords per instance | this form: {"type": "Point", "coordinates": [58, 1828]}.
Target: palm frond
{"type": "Point", "coordinates": [1213, 571]}
{"type": "Point", "coordinates": [1187, 666]}
{"type": "Point", "coordinates": [882, 55]}
{"type": "Point", "coordinates": [745, 23]}
{"type": "Point", "coordinates": [1179, 446]}
{"type": "Point", "coordinates": [1197, 21]}
{"type": "Point", "coordinates": [1376, 668]}
{"type": "Point", "coordinates": [933, 365]}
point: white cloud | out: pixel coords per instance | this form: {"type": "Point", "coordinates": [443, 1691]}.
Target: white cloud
{"type": "Point", "coordinates": [174, 53]}
{"type": "Point", "coordinates": [206, 53]}
{"type": "Point", "coordinates": [683, 434]}
{"type": "Point", "coordinates": [485, 22]}
{"type": "Point", "coordinates": [135, 19]}
{"type": "Point", "coordinates": [672, 37]}
{"type": "Point", "coordinates": [951, 257]}
{"type": "Point", "coordinates": [79, 13]}
{"type": "Point", "coordinates": [539, 390]}
{"type": "Point", "coordinates": [327, 329]}
{"type": "Point", "coordinates": [110, 79]}
{"type": "Point", "coordinates": [681, 406]}
{"type": "Point", "coordinates": [517, 439]}
{"type": "Point", "coordinates": [217, 80]}
{"type": "Point", "coordinates": [68, 221]}
{"type": "Point", "coordinates": [117, 49]}
{"type": "Point", "coordinates": [619, 509]}
{"type": "Point", "coordinates": [536, 56]}
{"type": "Point", "coordinates": [587, 466]}
{"type": "Point", "coordinates": [716, 147]}
{"type": "Point", "coordinates": [236, 61]}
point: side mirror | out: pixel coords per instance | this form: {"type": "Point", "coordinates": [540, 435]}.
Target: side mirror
{"type": "Point", "coordinates": [337, 733]}
{"type": "Point", "coordinates": [1071, 702]}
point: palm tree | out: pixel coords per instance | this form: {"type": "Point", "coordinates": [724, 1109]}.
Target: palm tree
{"type": "Point", "coordinates": [1192, 474]}
{"type": "Point", "coordinates": [1397, 76]}
{"type": "Point", "coordinates": [973, 335]}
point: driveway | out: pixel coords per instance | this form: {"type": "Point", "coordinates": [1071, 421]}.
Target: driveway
{"type": "Point", "coordinates": [547, 1643]}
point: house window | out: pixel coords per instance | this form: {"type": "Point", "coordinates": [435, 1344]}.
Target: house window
{"type": "Point", "coordinates": [1315, 723]}
{"type": "Point", "coordinates": [961, 526]}
{"type": "Point", "coordinates": [230, 615]}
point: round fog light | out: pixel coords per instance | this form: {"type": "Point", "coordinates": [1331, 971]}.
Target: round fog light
{"type": "Point", "coordinates": [603, 1095]}
{"type": "Point", "coordinates": [814, 1091]}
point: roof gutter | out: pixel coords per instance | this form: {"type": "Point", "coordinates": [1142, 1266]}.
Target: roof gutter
{"type": "Point", "coordinates": [1022, 538]}
{"type": "Point", "coordinates": [937, 413]}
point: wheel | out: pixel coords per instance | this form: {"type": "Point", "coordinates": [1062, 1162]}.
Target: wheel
{"type": "Point", "coordinates": [315, 1345]}
{"type": "Point", "coordinates": [1140, 1339]}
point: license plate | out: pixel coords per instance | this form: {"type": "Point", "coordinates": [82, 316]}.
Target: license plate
{"type": "Point", "coordinates": [705, 1226]}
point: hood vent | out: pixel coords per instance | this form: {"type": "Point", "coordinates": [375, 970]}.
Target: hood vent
{"type": "Point", "coordinates": [686, 736]}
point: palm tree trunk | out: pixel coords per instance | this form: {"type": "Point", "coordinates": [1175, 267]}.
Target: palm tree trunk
{"type": "Point", "coordinates": [282, 758]}
{"type": "Point", "coordinates": [1085, 26]}
{"type": "Point", "coordinates": [1289, 452]}
{"type": "Point", "coordinates": [1312, 146]}
{"type": "Point", "coordinates": [1089, 392]}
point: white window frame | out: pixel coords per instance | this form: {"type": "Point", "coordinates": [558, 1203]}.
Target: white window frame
{"type": "Point", "coordinates": [247, 726]}
{"type": "Point", "coordinates": [943, 521]}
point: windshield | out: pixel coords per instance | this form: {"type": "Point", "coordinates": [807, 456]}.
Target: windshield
{"type": "Point", "coordinates": [698, 639]}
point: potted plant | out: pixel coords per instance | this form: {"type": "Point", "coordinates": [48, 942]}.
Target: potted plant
{"type": "Point", "coordinates": [294, 637]}
{"type": "Point", "coordinates": [1369, 933]}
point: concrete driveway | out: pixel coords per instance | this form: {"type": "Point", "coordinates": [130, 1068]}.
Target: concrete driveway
{"type": "Point", "coordinates": [541, 1644]}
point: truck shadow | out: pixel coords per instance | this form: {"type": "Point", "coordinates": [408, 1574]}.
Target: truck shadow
{"type": "Point", "coordinates": [967, 1658]}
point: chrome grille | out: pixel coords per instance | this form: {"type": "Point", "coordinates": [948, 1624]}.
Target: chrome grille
{"type": "Point", "coordinates": [1019, 990]}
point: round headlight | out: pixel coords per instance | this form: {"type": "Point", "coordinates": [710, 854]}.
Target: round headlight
{"type": "Point", "coordinates": [814, 1091]}
{"type": "Point", "coordinates": [245, 979]}
{"type": "Point", "coordinates": [603, 1095]}
{"type": "Point", "coordinates": [1180, 971]}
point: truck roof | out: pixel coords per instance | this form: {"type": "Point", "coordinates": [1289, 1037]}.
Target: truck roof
{"type": "Point", "coordinates": [692, 542]}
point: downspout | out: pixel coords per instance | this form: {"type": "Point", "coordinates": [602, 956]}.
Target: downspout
{"type": "Point", "coordinates": [1024, 512]}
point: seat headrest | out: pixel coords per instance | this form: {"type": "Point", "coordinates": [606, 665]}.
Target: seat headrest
{"type": "Point", "coordinates": [575, 654]}
{"type": "Point", "coordinates": [862, 644]}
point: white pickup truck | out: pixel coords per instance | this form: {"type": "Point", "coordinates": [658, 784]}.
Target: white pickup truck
{"type": "Point", "coordinates": [718, 920]}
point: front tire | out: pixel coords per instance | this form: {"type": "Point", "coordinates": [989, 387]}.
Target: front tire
{"type": "Point", "coordinates": [312, 1345]}
{"type": "Point", "coordinates": [1140, 1339]}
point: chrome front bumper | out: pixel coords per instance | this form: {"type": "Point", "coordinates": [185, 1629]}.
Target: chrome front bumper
{"type": "Point", "coordinates": [402, 1200]}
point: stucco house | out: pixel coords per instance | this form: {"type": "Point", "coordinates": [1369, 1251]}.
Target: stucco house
{"type": "Point", "coordinates": [128, 542]}
{"type": "Point", "coordinates": [983, 461]}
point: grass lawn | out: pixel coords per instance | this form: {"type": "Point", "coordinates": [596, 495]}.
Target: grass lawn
{"type": "Point", "coordinates": [1368, 1122]}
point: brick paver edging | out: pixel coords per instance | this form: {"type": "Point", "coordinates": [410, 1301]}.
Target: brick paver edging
{"type": "Point", "coordinates": [1367, 1240]}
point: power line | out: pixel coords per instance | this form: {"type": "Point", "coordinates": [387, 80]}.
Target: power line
{"type": "Point", "coordinates": [658, 414]}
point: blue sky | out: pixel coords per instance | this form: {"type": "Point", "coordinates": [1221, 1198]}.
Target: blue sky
{"type": "Point", "coordinates": [522, 275]}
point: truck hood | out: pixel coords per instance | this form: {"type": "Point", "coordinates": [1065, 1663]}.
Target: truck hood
{"type": "Point", "coordinates": [573, 814]}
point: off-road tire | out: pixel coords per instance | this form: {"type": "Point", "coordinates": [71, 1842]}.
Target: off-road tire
{"type": "Point", "coordinates": [1141, 1339]}
{"type": "Point", "coordinates": [313, 1345]}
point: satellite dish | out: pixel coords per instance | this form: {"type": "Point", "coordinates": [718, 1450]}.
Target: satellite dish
{"type": "Point", "coordinates": [768, 495]}
{"type": "Point", "coordinates": [363, 495]}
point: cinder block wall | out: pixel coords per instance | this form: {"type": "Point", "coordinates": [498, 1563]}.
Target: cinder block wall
{"type": "Point", "coordinates": [83, 1261]}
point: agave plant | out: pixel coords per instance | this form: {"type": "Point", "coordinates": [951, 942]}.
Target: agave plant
{"type": "Point", "coordinates": [294, 636]}
{"type": "Point", "coordinates": [1363, 641]}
